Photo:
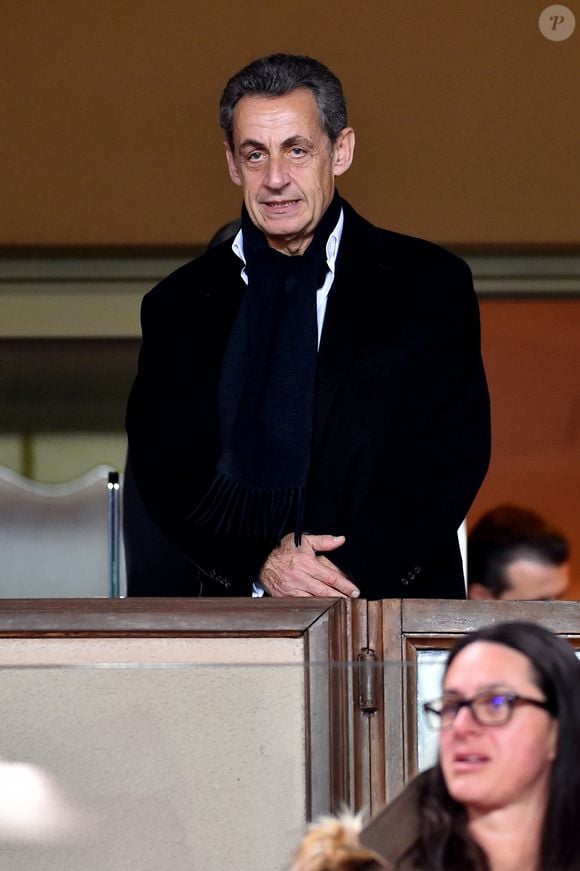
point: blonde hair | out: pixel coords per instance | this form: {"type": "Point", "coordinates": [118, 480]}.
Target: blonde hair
{"type": "Point", "coordinates": [332, 844]}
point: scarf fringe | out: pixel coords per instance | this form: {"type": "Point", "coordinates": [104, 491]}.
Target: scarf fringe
{"type": "Point", "coordinates": [230, 509]}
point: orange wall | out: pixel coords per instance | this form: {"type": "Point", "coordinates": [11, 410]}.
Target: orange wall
{"type": "Point", "coordinates": [532, 359]}
{"type": "Point", "coordinates": [467, 118]}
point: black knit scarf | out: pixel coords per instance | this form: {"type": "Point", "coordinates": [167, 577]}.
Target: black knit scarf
{"type": "Point", "coordinates": [266, 391]}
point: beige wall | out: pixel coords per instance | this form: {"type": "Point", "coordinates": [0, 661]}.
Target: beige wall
{"type": "Point", "coordinates": [467, 116]}
{"type": "Point", "coordinates": [143, 754]}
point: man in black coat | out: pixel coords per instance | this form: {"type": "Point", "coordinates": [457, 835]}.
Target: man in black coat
{"type": "Point", "coordinates": [310, 415]}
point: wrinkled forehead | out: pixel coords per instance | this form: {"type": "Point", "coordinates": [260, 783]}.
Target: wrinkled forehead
{"type": "Point", "coordinates": [297, 110]}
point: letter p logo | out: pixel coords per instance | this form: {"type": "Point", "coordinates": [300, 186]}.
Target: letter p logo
{"type": "Point", "coordinates": [557, 23]}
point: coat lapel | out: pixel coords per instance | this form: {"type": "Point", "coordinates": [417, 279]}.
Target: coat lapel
{"type": "Point", "coordinates": [358, 271]}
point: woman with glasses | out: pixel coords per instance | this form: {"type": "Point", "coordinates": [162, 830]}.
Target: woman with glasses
{"type": "Point", "coordinates": [505, 793]}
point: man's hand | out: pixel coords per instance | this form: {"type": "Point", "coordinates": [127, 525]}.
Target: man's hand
{"type": "Point", "coordinates": [300, 571]}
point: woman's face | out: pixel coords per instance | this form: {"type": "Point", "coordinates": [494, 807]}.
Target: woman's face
{"type": "Point", "coordinates": [491, 767]}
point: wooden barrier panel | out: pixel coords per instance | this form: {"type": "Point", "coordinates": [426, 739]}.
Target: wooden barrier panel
{"type": "Point", "coordinates": [203, 733]}
{"type": "Point", "coordinates": [155, 733]}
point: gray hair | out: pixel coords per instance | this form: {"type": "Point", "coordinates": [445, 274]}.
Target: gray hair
{"type": "Point", "coordinates": [279, 74]}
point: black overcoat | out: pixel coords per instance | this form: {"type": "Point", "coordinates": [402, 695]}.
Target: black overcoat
{"type": "Point", "coordinates": [401, 431]}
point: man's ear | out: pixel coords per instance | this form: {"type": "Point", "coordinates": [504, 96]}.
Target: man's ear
{"type": "Point", "coordinates": [479, 592]}
{"type": "Point", "coordinates": [232, 166]}
{"type": "Point", "coordinates": [343, 150]}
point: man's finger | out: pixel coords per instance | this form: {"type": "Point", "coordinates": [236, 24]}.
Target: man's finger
{"type": "Point", "coordinates": [330, 575]}
{"type": "Point", "coordinates": [318, 590]}
{"type": "Point", "coordinates": [291, 571]}
{"type": "Point", "coordinates": [324, 542]}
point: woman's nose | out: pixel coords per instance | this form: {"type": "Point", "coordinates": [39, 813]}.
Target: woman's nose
{"type": "Point", "coordinates": [465, 720]}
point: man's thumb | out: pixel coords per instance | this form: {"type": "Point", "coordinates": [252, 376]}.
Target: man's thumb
{"type": "Point", "coordinates": [325, 542]}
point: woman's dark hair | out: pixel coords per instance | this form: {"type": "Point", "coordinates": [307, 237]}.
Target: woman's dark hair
{"type": "Point", "coordinates": [279, 74]}
{"type": "Point", "coordinates": [445, 842]}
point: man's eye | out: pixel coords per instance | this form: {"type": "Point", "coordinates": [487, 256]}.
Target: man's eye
{"type": "Point", "coordinates": [297, 151]}
{"type": "Point", "coordinates": [254, 156]}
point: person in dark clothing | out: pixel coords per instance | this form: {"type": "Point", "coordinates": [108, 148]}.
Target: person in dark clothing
{"type": "Point", "coordinates": [314, 389]}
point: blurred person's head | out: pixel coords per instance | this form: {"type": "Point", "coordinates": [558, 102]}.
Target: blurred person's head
{"type": "Point", "coordinates": [332, 844]}
{"type": "Point", "coordinates": [510, 731]}
{"type": "Point", "coordinates": [514, 553]}
{"type": "Point", "coordinates": [225, 233]}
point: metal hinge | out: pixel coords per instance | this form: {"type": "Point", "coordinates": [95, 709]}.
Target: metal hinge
{"type": "Point", "coordinates": [367, 673]}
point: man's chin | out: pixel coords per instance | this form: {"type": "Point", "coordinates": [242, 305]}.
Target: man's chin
{"type": "Point", "coordinates": [278, 226]}
{"type": "Point", "coordinates": [290, 242]}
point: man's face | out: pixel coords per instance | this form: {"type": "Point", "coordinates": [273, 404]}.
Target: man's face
{"type": "Point", "coordinates": [285, 164]}
{"type": "Point", "coordinates": [529, 579]}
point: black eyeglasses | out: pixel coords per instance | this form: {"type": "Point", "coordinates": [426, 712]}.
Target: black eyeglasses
{"type": "Point", "coordinates": [487, 708]}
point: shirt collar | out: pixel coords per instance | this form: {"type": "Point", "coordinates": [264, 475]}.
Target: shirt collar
{"type": "Point", "coordinates": [332, 246]}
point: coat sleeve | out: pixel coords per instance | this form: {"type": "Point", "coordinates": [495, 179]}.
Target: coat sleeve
{"type": "Point", "coordinates": [414, 442]}
{"type": "Point", "coordinates": [172, 427]}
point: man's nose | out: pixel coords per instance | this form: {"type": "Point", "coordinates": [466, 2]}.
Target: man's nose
{"type": "Point", "coordinates": [276, 174]}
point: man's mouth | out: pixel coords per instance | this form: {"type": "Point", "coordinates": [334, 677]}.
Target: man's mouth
{"type": "Point", "coordinates": [279, 205]}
